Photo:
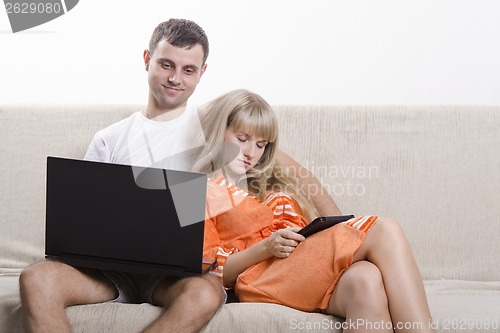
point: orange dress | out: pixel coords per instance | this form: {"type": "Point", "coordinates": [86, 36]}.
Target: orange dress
{"type": "Point", "coordinates": [306, 279]}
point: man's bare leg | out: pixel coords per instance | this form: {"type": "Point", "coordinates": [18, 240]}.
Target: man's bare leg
{"type": "Point", "coordinates": [189, 303]}
{"type": "Point", "coordinates": [48, 287]}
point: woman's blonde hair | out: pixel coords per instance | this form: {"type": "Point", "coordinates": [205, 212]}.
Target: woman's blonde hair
{"type": "Point", "coordinates": [247, 112]}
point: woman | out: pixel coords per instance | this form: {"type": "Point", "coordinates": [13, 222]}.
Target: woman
{"type": "Point", "coordinates": [362, 269]}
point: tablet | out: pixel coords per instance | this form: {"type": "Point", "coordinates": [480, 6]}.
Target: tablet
{"type": "Point", "coordinates": [322, 223]}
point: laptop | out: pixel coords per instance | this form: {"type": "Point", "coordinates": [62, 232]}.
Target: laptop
{"type": "Point", "coordinates": [125, 218]}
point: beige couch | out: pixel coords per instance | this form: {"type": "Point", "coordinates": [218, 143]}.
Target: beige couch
{"type": "Point", "coordinates": [435, 169]}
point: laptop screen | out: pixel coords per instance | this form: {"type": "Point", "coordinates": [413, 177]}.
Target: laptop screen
{"type": "Point", "coordinates": [108, 216]}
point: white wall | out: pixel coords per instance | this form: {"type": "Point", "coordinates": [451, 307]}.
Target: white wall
{"type": "Point", "coordinates": [291, 52]}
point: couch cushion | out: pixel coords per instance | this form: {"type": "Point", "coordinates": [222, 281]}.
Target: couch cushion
{"type": "Point", "coordinates": [122, 318]}
{"type": "Point", "coordinates": [456, 306]}
{"type": "Point", "coordinates": [10, 304]}
{"type": "Point", "coordinates": [464, 306]}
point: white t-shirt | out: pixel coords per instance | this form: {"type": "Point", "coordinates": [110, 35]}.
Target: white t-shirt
{"type": "Point", "coordinates": [140, 141]}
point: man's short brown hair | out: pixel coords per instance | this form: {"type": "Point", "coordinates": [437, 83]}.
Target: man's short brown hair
{"type": "Point", "coordinates": [180, 33]}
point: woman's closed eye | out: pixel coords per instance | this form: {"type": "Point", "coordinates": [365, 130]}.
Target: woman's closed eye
{"type": "Point", "coordinates": [262, 144]}
{"type": "Point", "coordinates": [242, 138]}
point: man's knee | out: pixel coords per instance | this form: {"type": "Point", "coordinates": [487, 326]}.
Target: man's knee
{"type": "Point", "coordinates": [36, 277]}
{"type": "Point", "coordinates": [38, 284]}
{"type": "Point", "coordinates": [196, 298]}
{"type": "Point", "coordinates": [208, 296]}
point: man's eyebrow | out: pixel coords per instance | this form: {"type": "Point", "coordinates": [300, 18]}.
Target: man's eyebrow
{"type": "Point", "coordinates": [172, 62]}
{"type": "Point", "coordinates": [164, 60]}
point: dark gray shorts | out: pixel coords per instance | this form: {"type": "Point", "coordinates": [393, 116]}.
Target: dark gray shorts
{"type": "Point", "coordinates": [137, 288]}
{"type": "Point", "coordinates": [134, 287]}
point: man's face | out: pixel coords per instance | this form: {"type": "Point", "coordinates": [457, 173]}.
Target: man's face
{"type": "Point", "coordinates": [173, 74]}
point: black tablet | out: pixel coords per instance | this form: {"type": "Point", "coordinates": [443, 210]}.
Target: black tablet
{"type": "Point", "coordinates": [322, 223]}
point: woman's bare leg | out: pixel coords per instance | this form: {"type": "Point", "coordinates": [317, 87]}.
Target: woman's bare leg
{"type": "Point", "coordinates": [386, 247]}
{"type": "Point", "coordinates": [360, 298]}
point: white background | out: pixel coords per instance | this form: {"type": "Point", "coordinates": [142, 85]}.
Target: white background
{"type": "Point", "coordinates": [289, 51]}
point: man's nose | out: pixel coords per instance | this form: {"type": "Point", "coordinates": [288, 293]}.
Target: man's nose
{"type": "Point", "coordinates": [174, 77]}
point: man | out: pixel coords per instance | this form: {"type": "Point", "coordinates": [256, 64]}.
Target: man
{"type": "Point", "coordinates": [175, 63]}
{"type": "Point", "coordinates": [156, 135]}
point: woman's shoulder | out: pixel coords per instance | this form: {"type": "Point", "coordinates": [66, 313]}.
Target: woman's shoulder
{"type": "Point", "coordinates": [273, 196]}
{"type": "Point", "coordinates": [275, 199]}
{"type": "Point", "coordinates": [223, 196]}
{"type": "Point", "coordinates": [285, 207]}
{"type": "Point", "coordinates": [219, 187]}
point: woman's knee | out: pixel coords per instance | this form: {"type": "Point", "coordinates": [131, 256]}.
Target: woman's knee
{"type": "Point", "coordinates": [389, 227]}
{"type": "Point", "coordinates": [363, 288]}
{"type": "Point", "coordinates": [386, 234]}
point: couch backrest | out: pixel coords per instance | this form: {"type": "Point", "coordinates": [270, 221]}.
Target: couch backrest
{"type": "Point", "coordinates": [434, 169]}
{"type": "Point", "coordinates": [28, 134]}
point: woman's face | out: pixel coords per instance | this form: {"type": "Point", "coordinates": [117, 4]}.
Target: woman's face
{"type": "Point", "coordinates": [251, 149]}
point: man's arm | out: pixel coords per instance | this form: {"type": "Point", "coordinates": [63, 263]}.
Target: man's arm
{"type": "Point", "coordinates": [318, 195]}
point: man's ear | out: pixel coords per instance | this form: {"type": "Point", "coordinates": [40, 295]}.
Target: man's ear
{"type": "Point", "coordinates": [147, 58]}
{"type": "Point", "coordinates": [203, 69]}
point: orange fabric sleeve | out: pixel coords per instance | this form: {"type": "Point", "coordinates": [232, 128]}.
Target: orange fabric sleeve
{"type": "Point", "coordinates": [286, 211]}
{"type": "Point", "coordinates": [218, 202]}
{"type": "Point", "coordinates": [213, 249]}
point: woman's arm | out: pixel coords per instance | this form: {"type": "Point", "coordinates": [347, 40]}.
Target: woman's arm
{"type": "Point", "coordinates": [320, 198]}
{"type": "Point", "coordinates": [280, 244]}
